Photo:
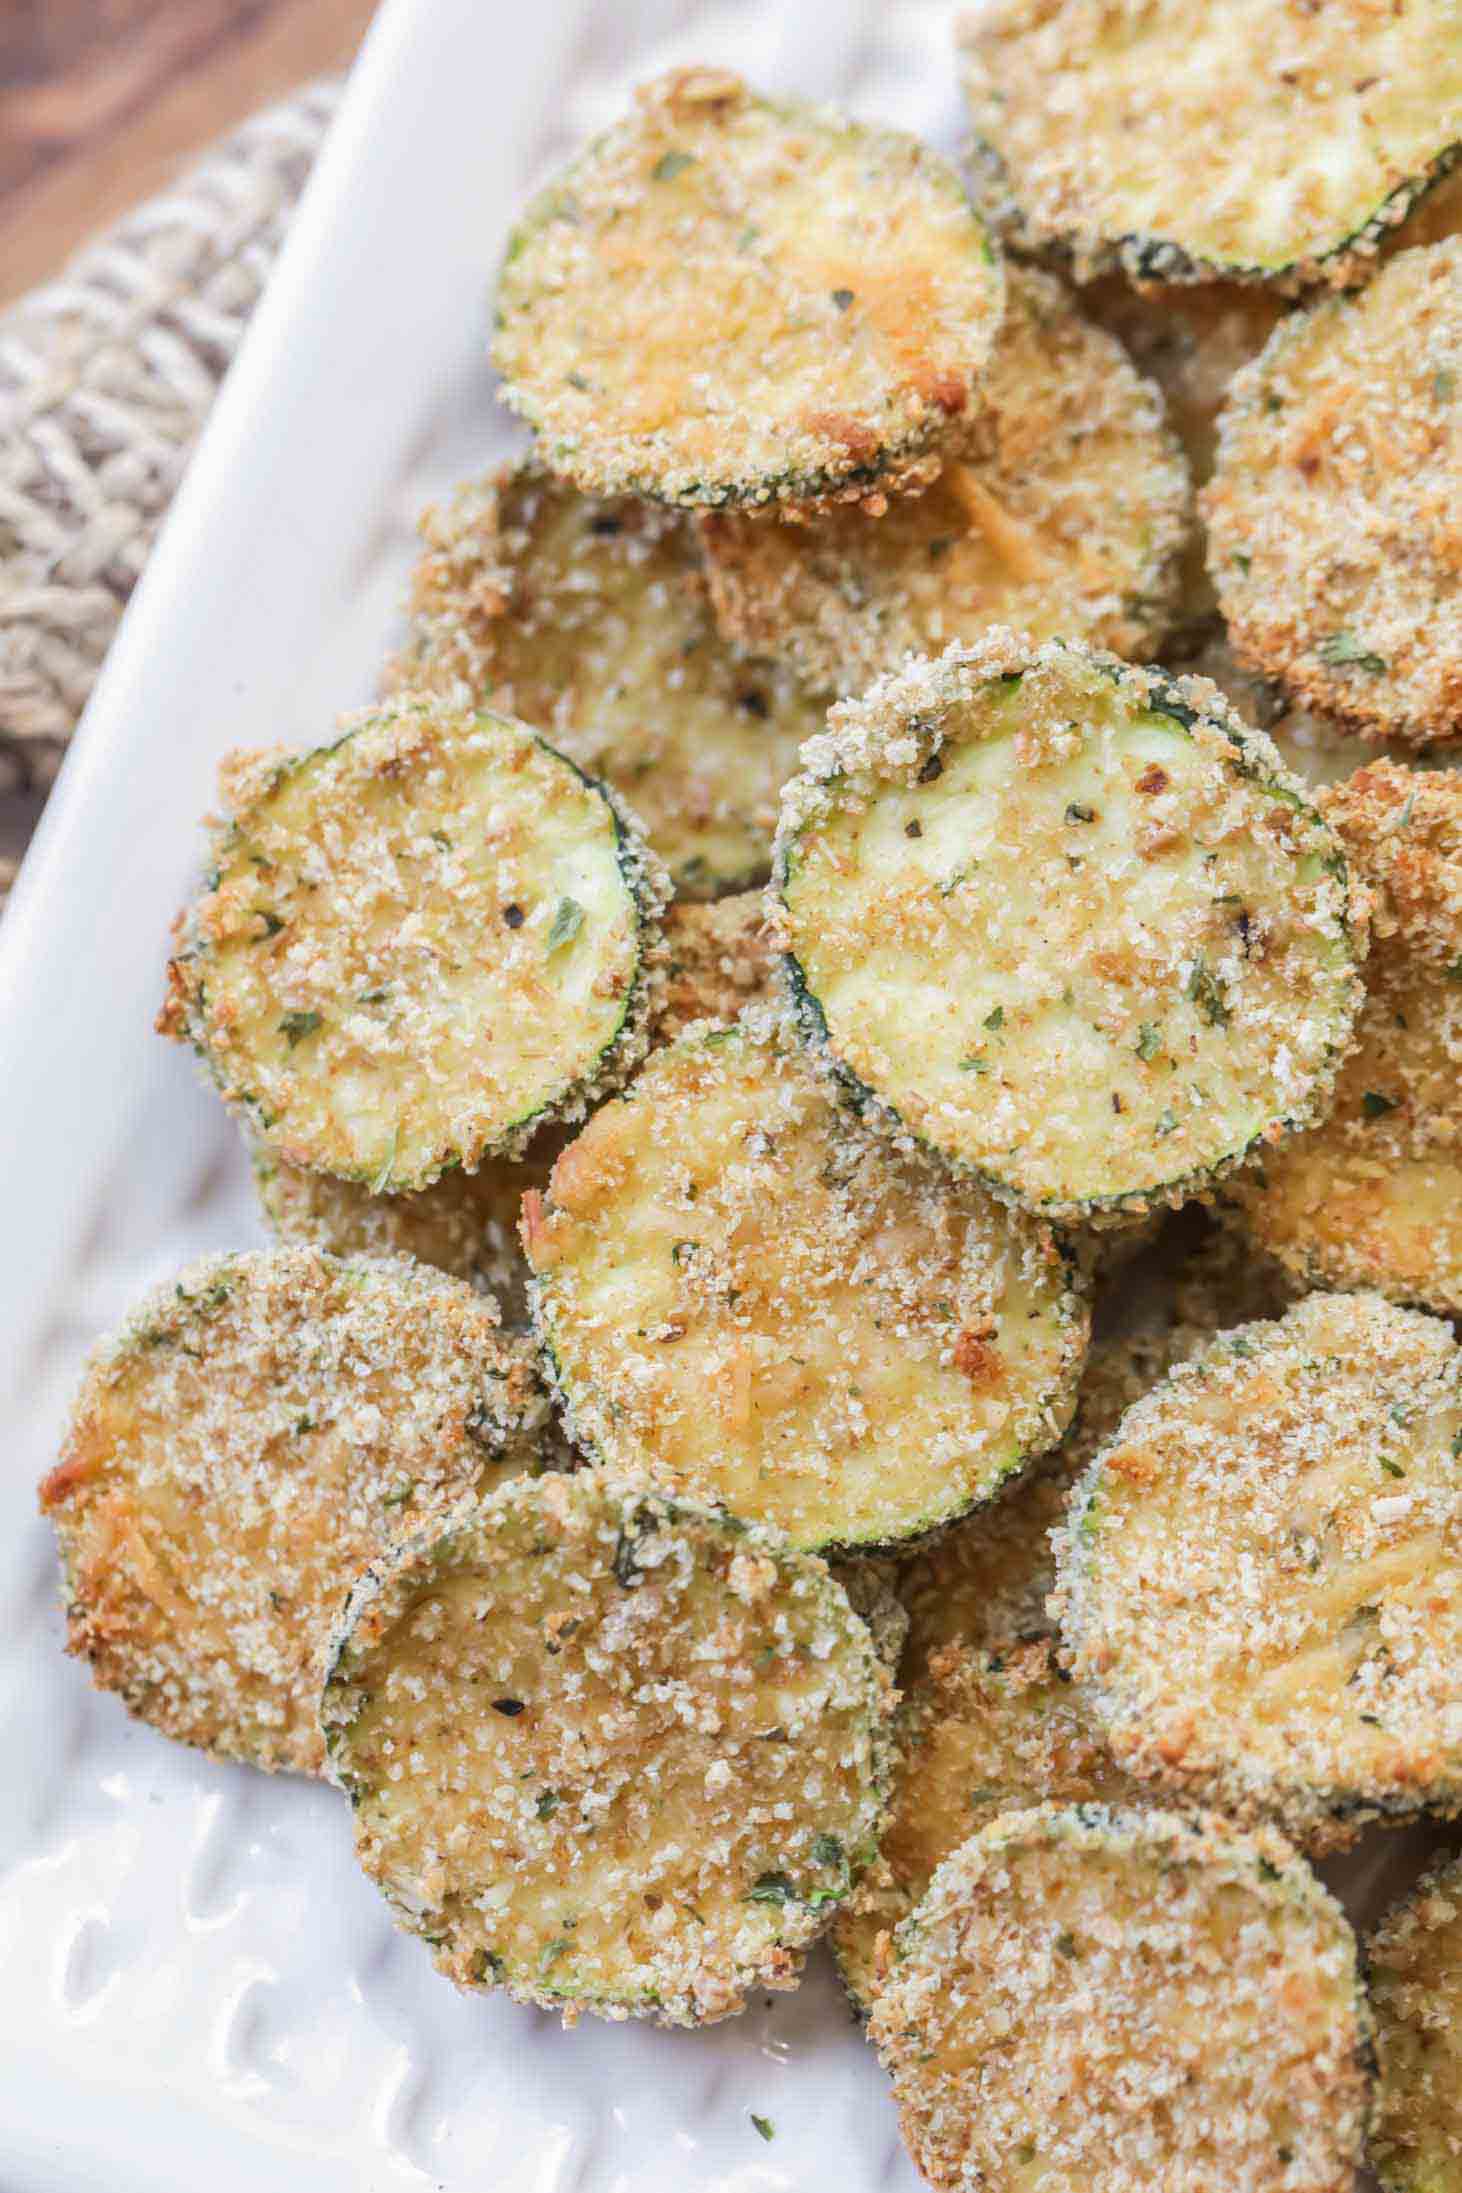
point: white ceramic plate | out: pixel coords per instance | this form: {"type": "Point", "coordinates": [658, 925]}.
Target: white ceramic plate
{"type": "Point", "coordinates": [199, 1990]}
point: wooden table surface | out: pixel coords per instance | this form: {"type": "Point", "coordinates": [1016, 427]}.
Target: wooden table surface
{"type": "Point", "coordinates": [102, 101]}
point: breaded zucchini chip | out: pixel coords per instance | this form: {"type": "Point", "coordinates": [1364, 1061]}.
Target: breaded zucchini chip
{"type": "Point", "coordinates": [1068, 519]}
{"type": "Point", "coordinates": [747, 1294]}
{"type": "Point", "coordinates": [1190, 139]}
{"type": "Point", "coordinates": [417, 945]}
{"type": "Point", "coordinates": [1414, 1960]}
{"type": "Point", "coordinates": [259, 1432]}
{"type": "Point", "coordinates": [1261, 1575]}
{"type": "Point", "coordinates": [1332, 511]}
{"type": "Point", "coordinates": [1191, 342]}
{"type": "Point", "coordinates": [985, 1733]}
{"type": "Point", "coordinates": [464, 1223]}
{"type": "Point", "coordinates": [589, 619]}
{"type": "Point", "coordinates": [720, 960]}
{"type": "Point", "coordinates": [1372, 1197]}
{"type": "Point", "coordinates": [1067, 922]}
{"type": "Point", "coordinates": [609, 1751]}
{"type": "Point", "coordinates": [1111, 1998]}
{"type": "Point", "coordinates": [726, 301]}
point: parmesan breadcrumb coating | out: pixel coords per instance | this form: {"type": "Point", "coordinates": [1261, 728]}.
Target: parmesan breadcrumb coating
{"type": "Point", "coordinates": [984, 1733]}
{"type": "Point", "coordinates": [1332, 512]}
{"type": "Point", "coordinates": [589, 619]}
{"type": "Point", "coordinates": [1373, 1196]}
{"type": "Point", "coordinates": [1067, 516]}
{"type": "Point", "coordinates": [1067, 921]}
{"type": "Point", "coordinates": [1109, 1999]}
{"type": "Point", "coordinates": [417, 945]}
{"type": "Point", "coordinates": [1414, 1965]}
{"type": "Point", "coordinates": [1261, 1573]}
{"type": "Point", "coordinates": [745, 1293]}
{"type": "Point", "coordinates": [1189, 139]}
{"type": "Point", "coordinates": [257, 1433]}
{"type": "Point", "coordinates": [726, 300]}
{"type": "Point", "coordinates": [609, 1751]}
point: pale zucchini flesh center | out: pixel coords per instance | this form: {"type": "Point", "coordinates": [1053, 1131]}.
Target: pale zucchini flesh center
{"type": "Point", "coordinates": [1085, 971]}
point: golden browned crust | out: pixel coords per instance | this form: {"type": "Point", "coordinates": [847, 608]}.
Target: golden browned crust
{"type": "Point", "coordinates": [1066, 516]}
{"type": "Point", "coordinates": [588, 618]}
{"type": "Point", "coordinates": [376, 907]}
{"type": "Point", "coordinates": [729, 301]}
{"type": "Point", "coordinates": [258, 1433]}
{"type": "Point", "coordinates": [609, 1751]}
{"type": "Point", "coordinates": [719, 961]}
{"type": "Point", "coordinates": [1414, 1965]}
{"type": "Point", "coordinates": [1254, 139]}
{"type": "Point", "coordinates": [1114, 1999]}
{"type": "Point", "coordinates": [1332, 512]}
{"type": "Point", "coordinates": [984, 1733]}
{"type": "Point", "coordinates": [747, 1294]}
{"type": "Point", "coordinates": [1373, 1196]}
{"type": "Point", "coordinates": [1261, 1573]}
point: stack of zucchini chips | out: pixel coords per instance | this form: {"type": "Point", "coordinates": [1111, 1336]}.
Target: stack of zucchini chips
{"type": "Point", "coordinates": [937, 760]}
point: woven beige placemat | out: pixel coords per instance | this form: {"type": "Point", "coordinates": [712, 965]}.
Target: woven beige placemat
{"type": "Point", "coordinates": [106, 376]}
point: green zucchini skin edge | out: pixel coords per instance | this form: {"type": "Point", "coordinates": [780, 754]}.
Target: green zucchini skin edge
{"type": "Point", "coordinates": [434, 1547]}
{"type": "Point", "coordinates": [1158, 259]}
{"type": "Point", "coordinates": [791, 487]}
{"type": "Point", "coordinates": [649, 891]}
{"type": "Point", "coordinates": [811, 1022]}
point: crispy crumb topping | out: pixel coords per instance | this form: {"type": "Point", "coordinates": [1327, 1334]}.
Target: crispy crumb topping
{"type": "Point", "coordinates": [1261, 1575]}
{"type": "Point", "coordinates": [726, 300]}
{"type": "Point", "coordinates": [1254, 138]}
{"type": "Point", "coordinates": [607, 1750]}
{"type": "Point", "coordinates": [746, 1293]}
{"type": "Point", "coordinates": [1332, 512]}
{"type": "Point", "coordinates": [416, 944]}
{"type": "Point", "coordinates": [1373, 1196]}
{"type": "Point", "coordinates": [1070, 921]}
{"type": "Point", "coordinates": [1065, 516]}
{"type": "Point", "coordinates": [983, 1733]}
{"type": "Point", "coordinates": [258, 1432]}
{"type": "Point", "coordinates": [1414, 1962]}
{"type": "Point", "coordinates": [1105, 1998]}
{"type": "Point", "coordinates": [589, 619]}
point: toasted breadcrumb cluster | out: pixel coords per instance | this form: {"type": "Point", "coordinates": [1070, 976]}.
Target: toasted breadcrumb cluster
{"type": "Point", "coordinates": [632, 1251]}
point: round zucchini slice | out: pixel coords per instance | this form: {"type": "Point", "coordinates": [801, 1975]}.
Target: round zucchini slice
{"type": "Point", "coordinates": [985, 1733]}
{"type": "Point", "coordinates": [1261, 1575]}
{"type": "Point", "coordinates": [1372, 1197]}
{"type": "Point", "coordinates": [1111, 1998]}
{"type": "Point", "coordinates": [259, 1432]}
{"type": "Point", "coordinates": [1415, 1968]}
{"type": "Point", "coordinates": [609, 1751]}
{"type": "Point", "coordinates": [590, 620]}
{"type": "Point", "coordinates": [744, 1292]}
{"type": "Point", "coordinates": [1067, 922]}
{"type": "Point", "coordinates": [1186, 140]}
{"type": "Point", "coordinates": [1068, 518]}
{"type": "Point", "coordinates": [728, 301]}
{"type": "Point", "coordinates": [464, 1223]}
{"type": "Point", "coordinates": [416, 945]}
{"type": "Point", "coordinates": [1332, 505]}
